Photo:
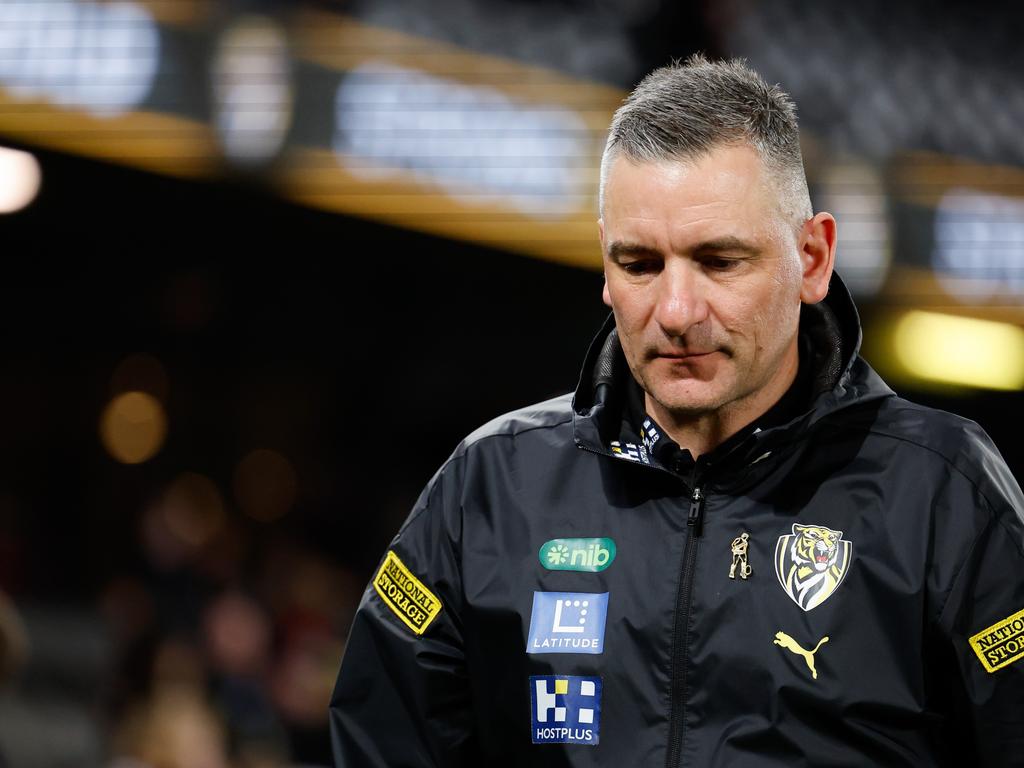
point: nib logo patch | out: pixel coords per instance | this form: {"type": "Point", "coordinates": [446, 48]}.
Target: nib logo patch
{"type": "Point", "coordinates": [593, 555]}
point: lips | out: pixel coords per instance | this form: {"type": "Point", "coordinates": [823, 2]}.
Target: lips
{"type": "Point", "coordinates": [684, 356]}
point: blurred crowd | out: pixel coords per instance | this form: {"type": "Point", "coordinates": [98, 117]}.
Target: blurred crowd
{"type": "Point", "coordinates": [212, 651]}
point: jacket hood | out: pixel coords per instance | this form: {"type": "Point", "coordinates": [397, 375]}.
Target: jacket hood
{"type": "Point", "coordinates": [841, 378]}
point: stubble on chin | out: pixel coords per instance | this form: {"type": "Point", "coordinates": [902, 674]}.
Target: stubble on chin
{"type": "Point", "coordinates": [678, 405]}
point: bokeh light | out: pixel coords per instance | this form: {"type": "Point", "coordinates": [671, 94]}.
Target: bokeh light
{"type": "Point", "coordinates": [855, 194]}
{"type": "Point", "coordinates": [193, 509]}
{"type": "Point", "coordinates": [252, 89]}
{"type": "Point", "coordinates": [20, 178]}
{"type": "Point", "coordinates": [962, 351]}
{"type": "Point", "coordinates": [133, 427]}
{"type": "Point", "coordinates": [265, 485]}
{"type": "Point", "coordinates": [238, 634]}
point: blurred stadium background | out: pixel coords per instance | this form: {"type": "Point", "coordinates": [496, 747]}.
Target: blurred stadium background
{"type": "Point", "coordinates": [266, 263]}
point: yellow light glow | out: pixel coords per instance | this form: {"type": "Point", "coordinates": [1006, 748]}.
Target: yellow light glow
{"type": "Point", "coordinates": [961, 350]}
{"type": "Point", "coordinates": [133, 427]}
{"type": "Point", "coordinates": [20, 178]}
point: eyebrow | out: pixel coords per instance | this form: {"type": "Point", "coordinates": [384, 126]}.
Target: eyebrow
{"type": "Point", "coordinates": [620, 249]}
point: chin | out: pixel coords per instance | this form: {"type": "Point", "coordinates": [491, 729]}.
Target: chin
{"type": "Point", "coordinates": [688, 402]}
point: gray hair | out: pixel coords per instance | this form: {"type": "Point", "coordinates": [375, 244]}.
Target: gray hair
{"type": "Point", "coordinates": [684, 111]}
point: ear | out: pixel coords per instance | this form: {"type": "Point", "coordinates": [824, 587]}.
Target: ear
{"type": "Point", "coordinates": [605, 296]}
{"type": "Point", "coordinates": [798, 529]}
{"type": "Point", "coordinates": [817, 256]}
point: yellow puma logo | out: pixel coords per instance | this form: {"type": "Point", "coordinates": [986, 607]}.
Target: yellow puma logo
{"type": "Point", "coordinates": [787, 642]}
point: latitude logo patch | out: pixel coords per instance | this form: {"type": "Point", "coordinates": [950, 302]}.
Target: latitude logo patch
{"type": "Point", "coordinates": [1001, 644]}
{"type": "Point", "coordinates": [565, 709]}
{"type": "Point", "coordinates": [811, 563]}
{"type": "Point", "coordinates": [404, 594]}
{"type": "Point", "coordinates": [591, 555]}
{"type": "Point", "coordinates": [567, 622]}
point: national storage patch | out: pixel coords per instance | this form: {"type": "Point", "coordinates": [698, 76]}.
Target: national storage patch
{"type": "Point", "coordinates": [404, 594]}
{"type": "Point", "coordinates": [1001, 644]}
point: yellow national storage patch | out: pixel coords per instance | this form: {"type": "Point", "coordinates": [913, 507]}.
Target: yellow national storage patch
{"type": "Point", "coordinates": [1001, 644]}
{"type": "Point", "coordinates": [404, 594]}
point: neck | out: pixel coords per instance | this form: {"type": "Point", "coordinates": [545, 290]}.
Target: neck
{"type": "Point", "coordinates": [701, 433]}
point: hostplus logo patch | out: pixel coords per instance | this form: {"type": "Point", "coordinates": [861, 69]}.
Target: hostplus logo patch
{"type": "Point", "coordinates": [567, 622]}
{"type": "Point", "coordinates": [566, 709]}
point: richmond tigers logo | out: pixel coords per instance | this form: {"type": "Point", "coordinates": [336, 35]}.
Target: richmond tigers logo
{"type": "Point", "coordinates": [811, 563]}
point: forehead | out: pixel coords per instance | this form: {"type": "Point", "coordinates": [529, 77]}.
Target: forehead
{"type": "Point", "coordinates": [724, 192]}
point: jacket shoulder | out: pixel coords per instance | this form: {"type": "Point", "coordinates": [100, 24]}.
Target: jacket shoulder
{"type": "Point", "coordinates": [548, 414]}
{"type": "Point", "coordinates": [959, 442]}
{"type": "Point", "coordinates": [538, 418]}
{"type": "Point", "coordinates": [946, 434]}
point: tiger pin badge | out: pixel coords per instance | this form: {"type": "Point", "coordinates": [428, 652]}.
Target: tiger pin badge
{"type": "Point", "coordinates": [811, 563]}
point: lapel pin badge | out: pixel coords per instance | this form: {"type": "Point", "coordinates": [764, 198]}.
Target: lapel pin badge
{"type": "Point", "coordinates": [739, 557]}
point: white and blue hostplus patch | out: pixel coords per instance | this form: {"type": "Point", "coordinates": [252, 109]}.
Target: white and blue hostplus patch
{"type": "Point", "coordinates": [566, 709]}
{"type": "Point", "coordinates": [567, 622]}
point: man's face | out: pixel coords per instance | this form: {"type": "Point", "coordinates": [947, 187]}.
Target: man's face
{"type": "Point", "coordinates": [704, 276]}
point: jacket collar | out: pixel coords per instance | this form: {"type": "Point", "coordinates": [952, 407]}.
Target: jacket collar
{"type": "Point", "coordinates": [840, 379]}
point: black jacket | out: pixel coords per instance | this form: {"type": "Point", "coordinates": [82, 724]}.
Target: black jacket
{"type": "Point", "coordinates": [880, 622]}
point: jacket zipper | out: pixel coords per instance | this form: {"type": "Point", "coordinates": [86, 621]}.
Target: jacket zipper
{"type": "Point", "coordinates": [681, 635]}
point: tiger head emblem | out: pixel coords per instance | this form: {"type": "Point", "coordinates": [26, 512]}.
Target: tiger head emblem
{"type": "Point", "coordinates": [811, 562]}
{"type": "Point", "coordinates": [815, 545]}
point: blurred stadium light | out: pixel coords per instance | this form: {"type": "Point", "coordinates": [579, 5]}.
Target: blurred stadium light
{"type": "Point", "coordinates": [100, 58]}
{"type": "Point", "coordinates": [84, 77]}
{"type": "Point", "coordinates": [959, 351]}
{"type": "Point", "coordinates": [433, 137]}
{"type": "Point", "coordinates": [855, 194]}
{"type": "Point", "coordinates": [357, 118]}
{"type": "Point", "coordinates": [252, 89]}
{"type": "Point", "coordinates": [469, 142]}
{"type": "Point", "coordinates": [20, 177]}
{"type": "Point", "coordinates": [133, 427]}
{"type": "Point", "coordinates": [979, 245]}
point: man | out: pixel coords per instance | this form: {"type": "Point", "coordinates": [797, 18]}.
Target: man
{"type": "Point", "coordinates": [561, 594]}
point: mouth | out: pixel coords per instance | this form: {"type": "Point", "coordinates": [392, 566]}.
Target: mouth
{"type": "Point", "coordinates": [684, 356]}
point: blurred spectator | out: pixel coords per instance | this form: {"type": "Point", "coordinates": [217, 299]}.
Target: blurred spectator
{"type": "Point", "coordinates": [13, 647]}
{"type": "Point", "coordinates": [237, 636]}
{"type": "Point", "coordinates": [175, 728]}
{"type": "Point", "coordinates": [13, 640]}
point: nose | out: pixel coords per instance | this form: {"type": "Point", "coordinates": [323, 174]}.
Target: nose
{"type": "Point", "coordinates": [681, 301]}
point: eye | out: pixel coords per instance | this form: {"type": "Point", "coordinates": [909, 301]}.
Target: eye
{"type": "Point", "coordinates": [719, 263]}
{"type": "Point", "coordinates": [640, 267]}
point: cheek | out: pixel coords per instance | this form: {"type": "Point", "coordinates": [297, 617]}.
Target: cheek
{"type": "Point", "coordinates": [628, 306]}
{"type": "Point", "coordinates": [772, 316]}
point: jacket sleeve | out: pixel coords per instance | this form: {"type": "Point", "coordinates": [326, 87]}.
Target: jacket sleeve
{"type": "Point", "coordinates": [402, 696]}
{"type": "Point", "coordinates": [983, 620]}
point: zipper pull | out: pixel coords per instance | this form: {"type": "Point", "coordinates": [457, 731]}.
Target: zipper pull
{"type": "Point", "coordinates": [696, 517]}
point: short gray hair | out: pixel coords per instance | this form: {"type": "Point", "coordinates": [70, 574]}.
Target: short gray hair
{"type": "Point", "coordinates": [684, 111]}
